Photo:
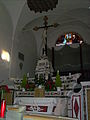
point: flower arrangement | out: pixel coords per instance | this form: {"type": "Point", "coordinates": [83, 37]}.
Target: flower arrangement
{"type": "Point", "coordinates": [50, 85]}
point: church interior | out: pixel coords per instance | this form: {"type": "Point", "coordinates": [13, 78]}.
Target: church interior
{"type": "Point", "coordinates": [44, 60]}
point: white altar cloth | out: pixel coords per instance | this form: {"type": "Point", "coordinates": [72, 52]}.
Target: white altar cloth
{"type": "Point", "coordinates": [35, 104]}
{"type": "Point", "coordinates": [42, 105]}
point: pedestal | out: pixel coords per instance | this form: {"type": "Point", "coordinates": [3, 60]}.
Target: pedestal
{"type": "Point", "coordinates": [15, 112]}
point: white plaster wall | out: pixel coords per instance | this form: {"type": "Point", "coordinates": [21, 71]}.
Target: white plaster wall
{"type": "Point", "coordinates": [5, 40]}
{"type": "Point", "coordinates": [14, 8]}
{"type": "Point", "coordinates": [24, 42]}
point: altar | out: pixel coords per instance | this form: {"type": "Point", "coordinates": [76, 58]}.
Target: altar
{"type": "Point", "coordinates": [43, 105]}
{"type": "Point", "coordinates": [51, 102]}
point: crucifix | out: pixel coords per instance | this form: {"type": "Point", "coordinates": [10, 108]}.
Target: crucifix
{"type": "Point", "coordinates": [45, 27]}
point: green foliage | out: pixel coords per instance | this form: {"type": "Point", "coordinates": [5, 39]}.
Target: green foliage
{"type": "Point", "coordinates": [58, 82]}
{"type": "Point", "coordinates": [31, 86]}
{"type": "Point", "coordinates": [40, 81]}
{"type": "Point", "coordinates": [24, 81]}
{"type": "Point", "coordinates": [47, 88]}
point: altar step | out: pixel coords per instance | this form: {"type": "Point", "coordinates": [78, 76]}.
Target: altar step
{"type": "Point", "coordinates": [45, 117]}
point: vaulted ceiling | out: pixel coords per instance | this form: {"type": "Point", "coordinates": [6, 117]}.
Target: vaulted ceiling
{"type": "Point", "coordinates": [70, 15]}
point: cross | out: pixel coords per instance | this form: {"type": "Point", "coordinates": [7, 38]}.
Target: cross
{"type": "Point", "coordinates": [45, 27]}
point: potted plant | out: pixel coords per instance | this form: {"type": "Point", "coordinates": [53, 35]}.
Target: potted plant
{"type": "Point", "coordinates": [58, 82]}
{"type": "Point", "coordinates": [24, 82]}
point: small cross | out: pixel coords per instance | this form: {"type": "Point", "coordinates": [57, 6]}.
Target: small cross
{"type": "Point", "coordinates": [45, 27]}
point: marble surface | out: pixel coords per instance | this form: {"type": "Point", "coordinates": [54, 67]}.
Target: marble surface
{"type": "Point", "coordinates": [2, 118]}
{"type": "Point", "coordinates": [45, 117]}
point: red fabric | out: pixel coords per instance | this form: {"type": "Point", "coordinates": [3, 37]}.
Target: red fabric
{"type": "Point", "coordinates": [37, 108]}
{"type": "Point", "coordinates": [5, 87]}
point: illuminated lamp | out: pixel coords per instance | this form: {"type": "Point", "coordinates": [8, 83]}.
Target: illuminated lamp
{"type": "Point", "coordinates": [5, 56]}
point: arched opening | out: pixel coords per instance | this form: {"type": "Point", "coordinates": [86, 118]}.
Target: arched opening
{"type": "Point", "coordinates": [68, 39]}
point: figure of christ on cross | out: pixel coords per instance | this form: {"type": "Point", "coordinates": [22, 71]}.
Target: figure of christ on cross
{"type": "Point", "coordinates": [45, 27]}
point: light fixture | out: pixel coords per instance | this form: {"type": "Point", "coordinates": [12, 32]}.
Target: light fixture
{"type": "Point", "coordinates": [5, 56]}
{"type": "Point", "coordinates": [41, 5]}
{"type": "Point", "coordinates": [89, 7]}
